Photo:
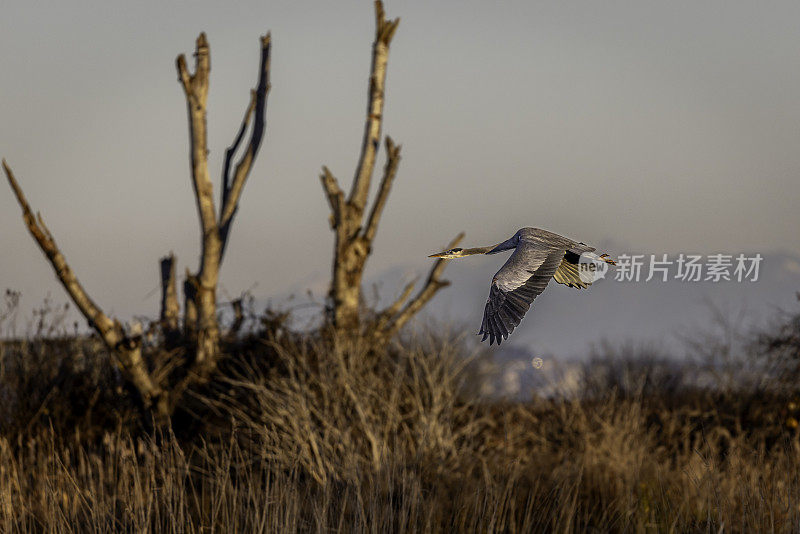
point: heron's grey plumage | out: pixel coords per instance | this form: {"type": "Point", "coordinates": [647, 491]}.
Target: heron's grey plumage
{"type": "Point", "coordinates": [538, 256]}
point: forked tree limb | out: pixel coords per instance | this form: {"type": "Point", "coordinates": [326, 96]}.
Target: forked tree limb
{"type": "Point", "coordinates": [433, 284]}
{"type": "Point", "coordinates": [126, 348]}
{"type": "Point", "coordinates": [200, 288]}
{"type": "Point", "coordinates": [354, 231]}
{"type": "Point", "coordinates": [386, 316]}
{"type": "Point", "coordinates": [215, 230]}
{"type": "Point", "coordinates": [384, 31]}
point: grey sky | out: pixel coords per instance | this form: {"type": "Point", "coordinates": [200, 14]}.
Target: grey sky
{"type": "Point", "coordinates": [670, 126]}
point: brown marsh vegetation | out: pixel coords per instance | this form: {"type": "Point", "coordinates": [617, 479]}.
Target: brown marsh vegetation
{"type": "Point", "coordinates": [299, 434]}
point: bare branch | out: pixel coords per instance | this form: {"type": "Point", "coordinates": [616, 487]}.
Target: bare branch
{"type": "Point", "coordinates": [127, 350]}
{"type": "Point", "coordinates": [432, 285]}
{"type": "Point", "coordinates": [87, 307]}
{"type": "Point", "coordinates": [229, 153]}
{"type": "Point", "coordinates": [232, 188]}
{"type": "Point", "coordinates": [384, 30]}
{"type": "Point", "coordinates": [389, 172]}
{"type": "Point", "coordinates": [388, 314]}
{"type": "Point", "coordinates": [183, 74]}
{"type": "Point", "coordinates": [335, 197]}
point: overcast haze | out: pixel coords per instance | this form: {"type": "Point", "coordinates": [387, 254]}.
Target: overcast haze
{"type": "Point", "coordinates": [664, 127]}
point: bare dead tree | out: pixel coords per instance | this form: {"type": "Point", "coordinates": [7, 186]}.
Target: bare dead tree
{"type": "Point", "coordinates": [159, 394]}
{"type": "Point", "coordinates": [201, 297]}
{"type": "Point", "coordinates": [352, 236]}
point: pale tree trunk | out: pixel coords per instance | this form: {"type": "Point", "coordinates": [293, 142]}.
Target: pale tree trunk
{"type": "Point", "coordinates": [353, 237]}
{"type": "Point", "coordinates": [205, 282]}
{"type": "Point", "coordinates": [201, 288]}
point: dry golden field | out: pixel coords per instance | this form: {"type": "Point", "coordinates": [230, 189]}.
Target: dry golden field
{"type": "Point", "coordinates": [299, 434]}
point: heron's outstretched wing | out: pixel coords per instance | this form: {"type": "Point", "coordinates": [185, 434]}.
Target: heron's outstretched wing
{"type": "Point", "coordinates": [523, 277]}
{"type": "Point", "coordinates": [569, 275]}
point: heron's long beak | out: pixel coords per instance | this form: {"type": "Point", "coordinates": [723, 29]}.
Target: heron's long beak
{"type": "Point", "coordinates": [439, 255]}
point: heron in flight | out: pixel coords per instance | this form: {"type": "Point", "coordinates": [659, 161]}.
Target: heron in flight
{"type": "Point", "coordinates": [538, 256]}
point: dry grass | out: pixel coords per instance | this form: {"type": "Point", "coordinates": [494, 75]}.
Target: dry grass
{"type": "Point", "coordinates": [301, 436]}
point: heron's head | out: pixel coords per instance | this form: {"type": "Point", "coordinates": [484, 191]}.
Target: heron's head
{"type": "Point", "coordinates": [451, 254]}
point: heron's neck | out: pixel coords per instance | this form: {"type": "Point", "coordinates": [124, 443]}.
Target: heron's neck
{"type": "Point", "coordinates": [477, 250]}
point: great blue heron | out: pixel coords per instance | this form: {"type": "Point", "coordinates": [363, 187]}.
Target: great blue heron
{"type": "Point", "coordinates": [539, 255]}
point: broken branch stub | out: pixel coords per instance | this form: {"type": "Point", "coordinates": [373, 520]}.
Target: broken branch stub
{"type": "Point", "coordinates": [170, 310]}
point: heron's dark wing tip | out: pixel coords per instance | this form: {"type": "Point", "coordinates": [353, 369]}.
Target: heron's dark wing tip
{"type": "Point", "coordinates": [506, 307]}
